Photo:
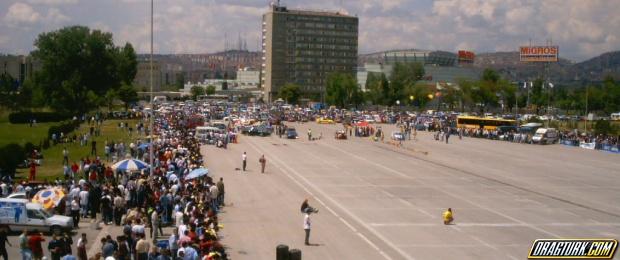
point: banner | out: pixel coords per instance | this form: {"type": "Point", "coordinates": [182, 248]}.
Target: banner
{"type": "Point", "coordinates": [539, 53]}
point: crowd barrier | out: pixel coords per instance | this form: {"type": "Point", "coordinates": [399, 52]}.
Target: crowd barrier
{"type": "Point", "coordinates": [592, 146]}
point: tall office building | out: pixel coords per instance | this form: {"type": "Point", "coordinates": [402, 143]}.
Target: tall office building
{"type": "Point", "coordinates": [304, 47]}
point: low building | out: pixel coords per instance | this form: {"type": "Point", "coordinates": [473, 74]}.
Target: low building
{"type": "Point", "coordinates": [439, 66]}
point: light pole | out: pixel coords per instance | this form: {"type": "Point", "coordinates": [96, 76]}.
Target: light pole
{"type": "Point", "coordinates": [151, 132]}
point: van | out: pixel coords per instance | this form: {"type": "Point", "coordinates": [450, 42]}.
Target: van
{"type": "Point", "coordinates": [203, 131]}
{"type": "Point", "coordinates": [19, 214]}
{"type": "Point", "coordinates": [545, 136]}
{"type": "Point", "coordinates": [159, 99]}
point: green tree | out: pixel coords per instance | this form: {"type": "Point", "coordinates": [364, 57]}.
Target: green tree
{"type": "Point", "coordinates": [342, 90]}
{"type": "Point", "coordinates": [109, 98]}
{"type": "Point", "coordinates": [127, 64]}
{"type": "Point", "coordinates": [404, 76]}
{"type": "Point", "coordinates": [197, 91]}
{"type": "Point", "coordinates": [8, 90]}
{"type": "Point", "coordinates": [290, 93]}
{"type": "Point", "coordinates": [127, 94]}
{"type": "Point", "coordinates": [378, 88]}
{"type": "Point", "coordinates": [77, 66]}
{"type": "Point", "coordinates": [210, 90]}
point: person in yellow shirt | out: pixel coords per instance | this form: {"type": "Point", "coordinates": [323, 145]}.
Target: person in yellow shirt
{"type": "Point", "coordinates": [447, 217]}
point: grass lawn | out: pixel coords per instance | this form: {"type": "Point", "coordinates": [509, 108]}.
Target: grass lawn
{"type": "Point", "coordinates": [23, 133]}
{"type": "Point", "coordinates": [52, 162]}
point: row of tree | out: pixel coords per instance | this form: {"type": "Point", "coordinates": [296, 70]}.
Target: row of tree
{"type": "Point", "coordinates": [490, 92]}
{"type": "Point", "coordinates": [80, 70]}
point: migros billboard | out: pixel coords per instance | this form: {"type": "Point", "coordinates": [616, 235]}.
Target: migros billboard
{"type": "Point", "coordinates": [539, 53]}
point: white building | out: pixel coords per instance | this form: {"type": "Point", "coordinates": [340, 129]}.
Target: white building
{"type": "Point", "coordinates": [246, 79]}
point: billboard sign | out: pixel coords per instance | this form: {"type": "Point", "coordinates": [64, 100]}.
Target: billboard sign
{"type": "Point", "coordinates": [539, 53]}
{"type": "Point", "coordinates": [466, 56]}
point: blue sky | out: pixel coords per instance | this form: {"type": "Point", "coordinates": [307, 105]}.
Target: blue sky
{"type": "Point", "coordinates": [582, 29]}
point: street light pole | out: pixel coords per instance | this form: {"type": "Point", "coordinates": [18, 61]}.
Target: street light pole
{"type": "Point", "coordinates": [151, 119]}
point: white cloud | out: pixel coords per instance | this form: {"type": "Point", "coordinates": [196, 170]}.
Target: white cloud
{"type": "Point", "coordinates": [21, 13]}
{"type": "Point", "coordinates": [55, 16]}
{"type": "Point", "coordinates": [582, 29]}
{"type": "Point", "coordinates": [53, 2]}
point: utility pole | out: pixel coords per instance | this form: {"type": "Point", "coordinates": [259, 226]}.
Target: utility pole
{"type": "Point", "coordinates": [585, 125]}
{"type": "Point", "coordinates": [151, 119]}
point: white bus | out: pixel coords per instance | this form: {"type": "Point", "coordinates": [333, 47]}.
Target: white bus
{"type": "Point", "coordinates": [615, 116]}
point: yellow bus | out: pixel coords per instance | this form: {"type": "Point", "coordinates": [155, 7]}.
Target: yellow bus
{"type": "Point", "coordinates": [488, 123]}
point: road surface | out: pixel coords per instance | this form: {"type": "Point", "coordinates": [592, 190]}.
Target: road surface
{"type": "Point", "coordinates": [380, 201]}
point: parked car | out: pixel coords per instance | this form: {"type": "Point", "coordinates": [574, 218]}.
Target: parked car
{"type": "Point", "coordinates": [291, 133]}
{"type": "Point", "coordinates": [260, 130]}
{"type": "Point", "coordinates": [323, 120]}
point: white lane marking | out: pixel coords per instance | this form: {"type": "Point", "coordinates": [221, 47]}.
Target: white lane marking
{"type": "Point", "coordinates": [446, 245]}
{"type": "Point", "coordinates": [447, 193]}
{"type": "Point", "coordinates": [373, 245]}
{"type": "Point", "coordinates": [412, 224]}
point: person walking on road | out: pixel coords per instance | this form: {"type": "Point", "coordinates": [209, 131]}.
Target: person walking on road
{"type": "Point", "coordinates": [244, 158]}
{"type": "Point", "coordinates": [262, 162]}
{"type": "Point", "coordinates": [81, 247]}
{"type": "Point", "coordinates": [220, 189]}
{"type": "Point", "coordinates": [307, 226]}
{"type": "Point", "coordinates": [3, 242]}
{"type": "Point", "coordinates": [309, 134]}
{"type": "Point", "coordinates": [23, 246]}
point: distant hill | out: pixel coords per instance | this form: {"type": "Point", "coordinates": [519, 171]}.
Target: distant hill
{"type": "Point", "coordinates": [563, 72]}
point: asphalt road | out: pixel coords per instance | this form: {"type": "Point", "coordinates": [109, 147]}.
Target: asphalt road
{"type": "Point", "coordinates": [379, 201]}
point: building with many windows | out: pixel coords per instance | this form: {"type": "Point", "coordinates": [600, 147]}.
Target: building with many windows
{"type": "Point", "coordinates": [303, 47]}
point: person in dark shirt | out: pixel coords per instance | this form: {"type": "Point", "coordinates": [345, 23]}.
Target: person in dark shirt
{"type": "Point", "coordinates": [3, 242]}
{"type": "Point", "coordinates": [56, 247]}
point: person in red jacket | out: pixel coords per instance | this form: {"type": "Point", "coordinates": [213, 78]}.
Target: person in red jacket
{"type": "Point", "coordinates": [34, 242]}
{"type": "Point", "coordinates": [33, 170]}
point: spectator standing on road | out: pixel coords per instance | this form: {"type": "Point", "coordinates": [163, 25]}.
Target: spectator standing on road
{"type": "Point", "coordinates": [81, 247]}
{"type": "Point", "coordinates": [309, 134]}
{"type": "Point", "coordinates": [142, 248]}
{"type": "Point", "coordinates": [75, 211]}
{"type": "Point", "coordinates": [220, 188]}
{"type": "Point", "coordinates": [262, 162]}
{"type": "Point", "coordinates": [23, 246]}
{"type": "Point", "coordinates": [34, 242]}
{"type": "Point", "coordinates": [3, 242]}
{"type": "Point", "coordinates": [307, 226]}
{"type": "Point", "coordinates": [56, 247]}
{"type": "Point", "coordinates": [244, 158]}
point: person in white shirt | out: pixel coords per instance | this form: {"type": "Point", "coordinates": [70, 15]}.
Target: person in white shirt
{"type": "Point", "coordinates": [307, 226]}
{"type": "Point", "coordinates": [75, 211]}
{"type": "Point", "coordinates": [244, 158]}
{"type": "Point", "coordinates": [84, 202]}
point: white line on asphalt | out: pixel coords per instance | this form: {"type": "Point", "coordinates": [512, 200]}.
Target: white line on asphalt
{"type": "Point", "coordinates": [447, 193]}
{"type": "Point", "coordinates": [411, 224]}
{"type": "Point", "coordinates": [446, 245]}
{"type": "Point", "coordinates": [373, 245]}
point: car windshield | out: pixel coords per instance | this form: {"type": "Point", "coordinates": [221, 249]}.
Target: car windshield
{"type": "Point", "coordinates": [45, 214]}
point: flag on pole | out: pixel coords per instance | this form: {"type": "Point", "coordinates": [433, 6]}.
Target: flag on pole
{"type": "Point", "coordinates": [439, 87]}
{"type": "Point", "coordinates": [531, 84]}
{"type": "Point", "coordinates": [524, 84]}
{"type": "Point", "coordinates": [550, 85]}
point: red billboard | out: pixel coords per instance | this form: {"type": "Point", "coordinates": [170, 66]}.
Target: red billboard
{"type": "Point", "coordinates": [466, 56]}
{"type": "Point", "coordinates": [539, 53]}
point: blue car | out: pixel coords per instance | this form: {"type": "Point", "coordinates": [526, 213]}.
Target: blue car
{"type": "Point", "coordinates": [291, 133]}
